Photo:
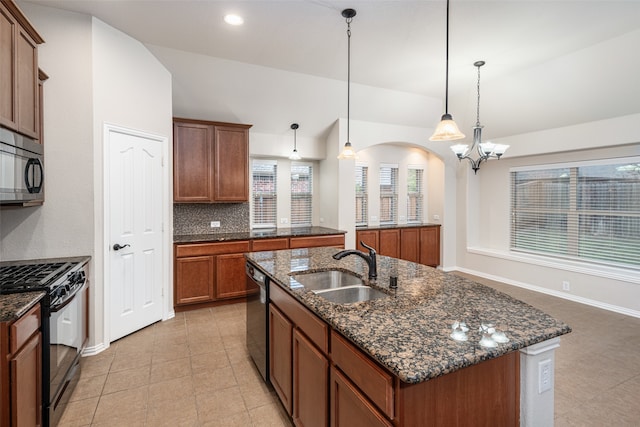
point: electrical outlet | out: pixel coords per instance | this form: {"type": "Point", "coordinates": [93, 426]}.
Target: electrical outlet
{"type": "Point", "coordinates": [545, 371]}
{"type": "Point", "coordinates": [215, 224]}
{"type": "Point", "coordinates": [436, 217]}
{"type": "Point", "coordinates": [566, 286]}
{"type": "Point", "coordinates": [284, 220]}
{"type": "Point", "coordinates": [374, 218]}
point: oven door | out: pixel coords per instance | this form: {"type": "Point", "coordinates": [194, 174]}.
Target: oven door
{"type": "Point", "coordinates": [66, 341]}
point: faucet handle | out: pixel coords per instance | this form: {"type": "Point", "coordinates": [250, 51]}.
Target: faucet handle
{"type": "Point", "coordinates": [372, 251]}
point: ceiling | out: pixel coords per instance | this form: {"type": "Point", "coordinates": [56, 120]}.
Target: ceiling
{"type": "Point", "coordinates": [400, 45]}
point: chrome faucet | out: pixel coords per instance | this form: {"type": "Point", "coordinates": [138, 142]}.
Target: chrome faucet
{"type": "Point", "coordinates": [371, 258]}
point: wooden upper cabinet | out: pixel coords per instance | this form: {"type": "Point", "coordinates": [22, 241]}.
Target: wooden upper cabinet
{"type": "Point", "coordinates": [19, 94]}
{"type": "Point", "coordinates": [231, 173]}
{"type": "Point", "coordinates": [211, 162]}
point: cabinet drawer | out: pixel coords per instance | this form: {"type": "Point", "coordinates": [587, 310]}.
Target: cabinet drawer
{"type": "Point", "coordinates": [314, 328]}
{"type": "Point", "coordinates": [199, 249]}
{"type": "Point", "coordinates": [269, 244]}
{"type": "Point", "coordinates": [316, 241]}
{"type": "Point", "coordinates": [23, 328]}
{"type": "Point", "coordinates": [375, 382]}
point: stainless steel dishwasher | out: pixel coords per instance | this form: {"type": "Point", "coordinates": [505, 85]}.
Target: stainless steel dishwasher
{"type": "Point", "coordinates": [258, 319]}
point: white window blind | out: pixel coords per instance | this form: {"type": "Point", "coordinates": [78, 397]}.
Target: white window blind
{"type": "Point", "coordinates": [415, 185]}
{"type": "Point", "coordinates": [388, 194]}
{"type": "Point", "coordinates": [264, 193]}
{"type": "Point", "coordinates": [362, 196]}
{"type": "Point", "coordinates": [587, 211]}
{"type": "Point", "coordinates": [301, 194]}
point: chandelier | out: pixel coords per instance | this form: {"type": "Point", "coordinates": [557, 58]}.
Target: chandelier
{"type": "Point", "coordinates": [484, 150]}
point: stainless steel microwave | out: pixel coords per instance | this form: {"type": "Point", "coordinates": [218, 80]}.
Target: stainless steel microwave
{"type": "Point", "coordinates": [21, 169]}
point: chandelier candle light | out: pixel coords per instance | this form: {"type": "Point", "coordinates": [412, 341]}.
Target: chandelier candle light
{"type": "Point", "coordinates": [294, 154]}
{"type": "Point", "coordinates": [485, 150]}
{"type": "Point", "coordinates": [348, 152]}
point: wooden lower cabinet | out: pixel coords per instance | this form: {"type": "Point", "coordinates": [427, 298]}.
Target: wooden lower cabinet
{"type": "Point", "coordinates": [349, 407]}
{"type": "Point", "coordinates": [280, 356]}
{"type": "Point", "coordinates": [195, 276]}
{"type": "Point", "coordinates": [390, 243]}
{"type": "Point", "coordinates": [310, 383]}
{"type": "Point", "coordinates": [415, 244]}
{"type": "Point", "coordinates": [21, 371]}
{"type": "Point", "coordinates": [230, 276]}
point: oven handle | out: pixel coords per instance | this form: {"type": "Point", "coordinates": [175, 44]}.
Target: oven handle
{"type": "Point", "coordinates": [67, 301]}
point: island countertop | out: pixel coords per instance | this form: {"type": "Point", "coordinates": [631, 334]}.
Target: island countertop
{"type": "Point", "coordinates": [409, 332]}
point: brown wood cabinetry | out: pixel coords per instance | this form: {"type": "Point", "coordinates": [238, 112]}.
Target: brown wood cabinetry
{"type": "Point", "coordinates": [362, 393]}
{"type": "Point", "coordinates": [21, 371]}
{"type": "Point", "coordinates": [415, 244]}
{"type": "Point", "coordinates": [281, 356]}
{"type": "Point", "coordinates": [209, 272]}
{"type": "Point", "coordinates": [210, 161]}
{"type": "Point", "coordinates": [19, 94]}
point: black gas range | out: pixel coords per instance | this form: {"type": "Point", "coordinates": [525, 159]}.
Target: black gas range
{"type": "Point", "coordinates": [64, 322]}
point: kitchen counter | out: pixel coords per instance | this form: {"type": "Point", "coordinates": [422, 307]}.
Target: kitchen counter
{"type": "Point", "coordinates": [393, 226]}
{"type": "Point", "coordinates": [256, 234]}
{"type": "Point", "coordinates": [14, 306]}
{"type": "Point", "coordinates": [409, 332]}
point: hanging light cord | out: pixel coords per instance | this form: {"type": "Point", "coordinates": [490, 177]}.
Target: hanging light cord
{"type": "Point", "coordinates": [446, 81]}
{"type": "Point", "coordinates": [478, 105]}
{"type": "Point", "coordinates": [348, 74]}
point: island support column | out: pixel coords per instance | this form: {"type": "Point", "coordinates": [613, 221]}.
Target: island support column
{"type": "Point", "coordinates": [537, 365]}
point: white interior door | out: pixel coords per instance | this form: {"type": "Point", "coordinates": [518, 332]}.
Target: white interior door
{"type": "Point", "coordinates": [135, 236]}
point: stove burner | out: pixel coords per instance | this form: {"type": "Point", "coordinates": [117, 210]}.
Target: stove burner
{"type": "Point", "coordinates": [31, 277]}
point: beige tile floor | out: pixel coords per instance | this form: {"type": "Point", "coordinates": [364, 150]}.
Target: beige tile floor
{"type": "Point", "coordinates": [194, 370]}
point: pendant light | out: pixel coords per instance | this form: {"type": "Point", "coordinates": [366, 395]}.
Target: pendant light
{"type": "Point", "coordinates": [447, 129]}
{"type": "Point", "coordinates": [294, 154]}
{"type": "Point", "coordinates": [347, 151]}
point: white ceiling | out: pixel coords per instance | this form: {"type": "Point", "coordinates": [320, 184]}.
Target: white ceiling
{"type": "Point", "coordinates": [399, 45]}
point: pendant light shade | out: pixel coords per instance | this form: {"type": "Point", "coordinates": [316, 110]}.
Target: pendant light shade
{"type": "Point", "coordinates": [447, 129]}
{"type": "Point", "coordinates": [294, 154]}
{"type": "Point", "coordinates": [347, 151]}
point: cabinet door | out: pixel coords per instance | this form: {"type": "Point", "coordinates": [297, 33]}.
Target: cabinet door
{"type": "Point", "coordinates": [310, 383]}
{"type": "Point", "coordinates": [192, 162]}
{"type": "Point", "coordinates": [280, 353]}
{"type": "Point", "coordinates": [230, 276]}
{"type": "Point", "coordinates": [231, 175]}
{"type": "Point", "coordinates": [269, 244]}
{"type": "Point", "coordinates": [27, 62]}
{"type": "Point", "coordinates": [8, 31]}
{"type": "Point", "coordinates": [336, 241]}
{"type": "Point", "coordinates": [390, 243]}
{"type": "Point", "coordinates": [26, 384]}
{"type": "Point", "coordinates": [195, 279]}
{"type": "Point", "coordinates": [349, 408]}
{"type": "Point", "coordinates": [409, 241]}
{"type": "Point", "coordinates": [430, 246]}
{"type": "Point", "coordinates": [369, 237]}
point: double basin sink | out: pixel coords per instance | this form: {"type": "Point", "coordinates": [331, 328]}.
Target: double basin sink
{"type": "Point", "coordinates": [338, 286]}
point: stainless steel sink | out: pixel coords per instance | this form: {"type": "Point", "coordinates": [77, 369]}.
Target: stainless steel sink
{"type": "Point", "coordinates": [350, 294]}
{"type": "Point", "coordinates": [330, 279]}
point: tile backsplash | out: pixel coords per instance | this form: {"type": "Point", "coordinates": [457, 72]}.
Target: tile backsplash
{"type": "Point", "coordinates": [195, 218]}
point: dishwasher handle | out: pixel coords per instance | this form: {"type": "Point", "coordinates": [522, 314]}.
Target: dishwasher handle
{"type": "Point", "coordinates": [255, 275]}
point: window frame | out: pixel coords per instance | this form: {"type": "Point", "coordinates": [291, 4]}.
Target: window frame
{"type": "Point", "coordinates": [308, 196]}
{"type": "Point", "coordinates": [273, 195]}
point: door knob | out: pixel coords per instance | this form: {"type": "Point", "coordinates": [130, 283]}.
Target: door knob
{"type": "Point", "coordinates": [117, 247]}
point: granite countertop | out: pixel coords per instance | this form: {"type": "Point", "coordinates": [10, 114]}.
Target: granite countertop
{"type": "Point", "coordinates": [14, 306]}
{"type": "Point", "coordinates": [391, 226]}
{"type": "Point", "coordinates": [256, 234]}
{"type": "Point", "coordinates": [409, 332]}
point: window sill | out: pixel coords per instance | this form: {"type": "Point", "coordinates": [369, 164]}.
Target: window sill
{"type": "Point", "coordinates": [625, 275]}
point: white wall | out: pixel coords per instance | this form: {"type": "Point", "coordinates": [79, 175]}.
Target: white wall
{"type": "Point", "coordinates": [97, 75]}
{"type": "Point", "coordinates": [483, 240]}
{"type": "Point", "coordinates": [64, 225]}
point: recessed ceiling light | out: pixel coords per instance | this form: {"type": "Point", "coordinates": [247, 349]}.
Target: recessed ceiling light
{"type": "Point", "coordinates": [232, 19]}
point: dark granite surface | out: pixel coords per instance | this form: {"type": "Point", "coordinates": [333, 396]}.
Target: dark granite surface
{"type": "Point", "coordinates": [13, 306]}
{"type": "Point", "coordinates": [409, 332]}
{"type": "Point", "coordinates": [256, 234]}
{"type": "Point", "coordinates": [391, 226]}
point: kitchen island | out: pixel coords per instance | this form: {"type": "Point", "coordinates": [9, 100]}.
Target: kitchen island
{"type": "Point", "coordinates": [409, 336]}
